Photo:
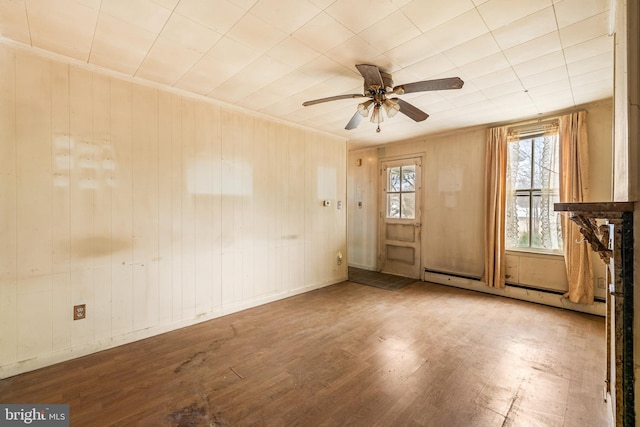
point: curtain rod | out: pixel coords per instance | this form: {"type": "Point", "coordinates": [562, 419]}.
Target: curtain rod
{"type": "Point", "coordinates": [535, 126]}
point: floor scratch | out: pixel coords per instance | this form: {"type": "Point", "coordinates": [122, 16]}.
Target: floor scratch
{"type": "Point", "coordinates": [506, 417]}
{"type": "Point", "coordinates": [235, 372]}
{"type": "Point", "coordinates": [198, 358]}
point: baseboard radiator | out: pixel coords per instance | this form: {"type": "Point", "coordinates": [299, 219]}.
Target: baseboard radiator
{"type": "Point", "coordinates": [550, 298]}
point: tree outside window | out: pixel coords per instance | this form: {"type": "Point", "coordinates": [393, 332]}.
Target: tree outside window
{"type": "Point", "coordinates": [401, 192]}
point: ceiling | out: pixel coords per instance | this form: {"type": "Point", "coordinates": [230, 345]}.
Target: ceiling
{"type": "Point", "coordinates": [518, 58]}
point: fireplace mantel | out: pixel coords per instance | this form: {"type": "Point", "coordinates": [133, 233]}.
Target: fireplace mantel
{"type": "Point", "coordinates": [613, 241]}
{"type": "Point", "coordinates": [585, 215]}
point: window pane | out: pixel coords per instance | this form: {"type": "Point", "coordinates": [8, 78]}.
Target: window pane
{"type": "Point", "coordinates": [409, 178]}
{"type": "Point", "coordinates": [393, 181]}
{"type": "Point", "coordinates": [540, 151]}
{"type": "Point", "coordinates": [408, 205]}
{"type": "Point", "coordinates": [511, 223]}
{"type": "Point", "coordinates": [520, 164]}
{"type": "Point", "coordinates": [522, 221]}
{"type": "Point", "coordinates": [533, 178]}
{"type": "Point", "coordinates": [393, 205]}
{"type": "Point", "coordinates": [546, 229]}
{"type": "Point", "coordinates": [545, 162]}
{"type": "Point", "coordinates": [555, 224]}
{"type": "Point", "coordinates": [554, 164]}
{"type": "Point", "coordinates": [536, 222]}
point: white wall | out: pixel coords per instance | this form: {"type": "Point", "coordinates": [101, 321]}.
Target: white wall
{"type": "Point", "coordinates": [626, 175]}
{"type": "Point", "coordinates": [453, 182]}
{"type": "Point", "coordinates": [362, 204]}
{"type": "Point", "coordinates": [155, 209]}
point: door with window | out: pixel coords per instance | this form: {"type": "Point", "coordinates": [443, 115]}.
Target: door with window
{"type": "Point", "coordinates": [400, 214]}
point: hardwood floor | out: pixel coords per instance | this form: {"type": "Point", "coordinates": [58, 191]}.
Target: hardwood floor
{"type": "Point", "coordinates": [348, 354]}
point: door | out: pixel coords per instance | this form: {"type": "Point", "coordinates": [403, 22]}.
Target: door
{"type": "Point", "coordinates": [400, 214]}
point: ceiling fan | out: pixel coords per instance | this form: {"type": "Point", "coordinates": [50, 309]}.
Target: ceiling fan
{"type": "Point", "coordinates": [377, 86]}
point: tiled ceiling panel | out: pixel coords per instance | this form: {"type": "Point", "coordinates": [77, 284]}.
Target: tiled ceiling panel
{"type": "Point", "coordinates": [571, 11]}
{"type": "Point", "coordinates": [256, 33]}
{"type": "Point", "coordinates": [190, 34]}
{"type": "Point", "coordinates": [66, 31]}
{"type": "Point", "coordinates": [145, 14]}
{"type": "Point", "coordinates": [503, 13]}
{"type": "Point", "coordinates": [322, 33]}
{"type": "Point", "coordinates": [534, 48]}
{"type": "Point", "coordinates": [472, 50]}
{"type": "Point", "coordinates": [518, 58]}
{"type": "Point", "coordinates": [219, 15]}
{"type": "Point", "coordinates": [357, 15]}
{"type": "Point", "coordinates": [428, 14]}
{"type": "Point", "coordinates": [120, 46]}
{"type": "Point", "coordinates": [395, 30]}
{"type": "Point", "coordinates": [288, 16]}
{"type": "Point", "coordinates": [14, 24]}
{"type": "Point", "coordinates": [530, 27]}
{"type": "Point", "coordinates": [167, 61]}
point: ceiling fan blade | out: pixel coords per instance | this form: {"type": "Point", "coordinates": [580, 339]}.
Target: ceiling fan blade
{"type": "Point", "coordinates": [371, 75]}
{"type": "Point", "coordinates": [334, 98]}
{"type": "Point", "coordinates": [427, 85]}
{"type": "Point", "coordinates": [354, 122]}
{"type": "Point", "coordinates": [411, 111]}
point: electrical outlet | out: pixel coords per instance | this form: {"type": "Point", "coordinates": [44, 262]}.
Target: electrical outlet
{"type": "Point", "coordinates": [339, 258]}
{"type": "Point", "coordinates": [79, 311]}
{"type": "Point", "coordinates": [601, 283]}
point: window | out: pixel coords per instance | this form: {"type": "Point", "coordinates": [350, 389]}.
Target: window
{"type": "Point", "coordinates": [532, 189]}
{"type": "Point", "coordinates": [401, 192]}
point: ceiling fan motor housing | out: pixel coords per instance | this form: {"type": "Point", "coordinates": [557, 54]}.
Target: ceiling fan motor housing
{"type": "Point", "coordinates": [387, 79]}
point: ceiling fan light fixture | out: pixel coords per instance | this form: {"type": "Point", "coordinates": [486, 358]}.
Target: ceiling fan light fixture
{"type": "Point", "coordinates": [363, 108]}
{"type": "Point", "coordinates": [376, 116]}
{"type": "Point", "coordinates": [391, 107]}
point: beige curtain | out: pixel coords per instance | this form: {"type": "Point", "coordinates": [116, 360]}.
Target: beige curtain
{"type": "Point", "coordinates": [494, 207]}
{"type": "Point", "coordinates": [574, 187]}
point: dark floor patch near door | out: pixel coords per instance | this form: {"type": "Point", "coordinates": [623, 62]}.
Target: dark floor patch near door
{"type": "Point", "coordinates": [379, 280]}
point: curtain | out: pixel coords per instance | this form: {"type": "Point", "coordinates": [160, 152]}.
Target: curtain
{"type": "Point", "coordinates": [494, 207]}
{"type": "Point", "coordinates": [550, 228]}
{"type": "Point", "coordinates": [574, 187]}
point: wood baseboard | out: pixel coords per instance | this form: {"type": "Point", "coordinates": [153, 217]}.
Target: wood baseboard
{"type": "Point", "coordinates": [536, 296]}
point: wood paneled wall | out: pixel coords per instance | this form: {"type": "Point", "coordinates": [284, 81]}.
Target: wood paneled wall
{"type": "Point", "coordinates": [155, 209]}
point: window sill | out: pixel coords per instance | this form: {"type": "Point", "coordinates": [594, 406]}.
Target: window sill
{"type": "Point", "coordinates": [534, 252]}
